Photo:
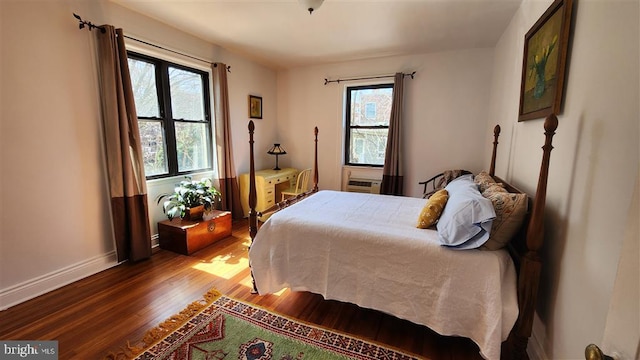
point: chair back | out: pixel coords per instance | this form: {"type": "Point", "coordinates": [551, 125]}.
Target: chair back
{"type": "Point", "coordinates": [302, 184]}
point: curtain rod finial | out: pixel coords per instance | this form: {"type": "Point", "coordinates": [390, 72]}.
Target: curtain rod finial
{"type": "Point", "coordinates": [82, 24]}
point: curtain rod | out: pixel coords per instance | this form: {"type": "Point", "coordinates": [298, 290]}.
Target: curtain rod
{"type": "Point", "coordinates": [326, 81]}
{"type": "Point", "coordinates": [82, 24]}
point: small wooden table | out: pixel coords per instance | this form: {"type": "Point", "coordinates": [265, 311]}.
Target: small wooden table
{"type": "Point", "coordinates": [186, 237]}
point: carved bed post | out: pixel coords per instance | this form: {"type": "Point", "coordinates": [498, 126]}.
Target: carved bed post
{"type": "Point", "coordinates": [531, 265]}
{"type": "Point", "coordinates": [315, 161]}
{"type": "Point", "coordinates": [253, 199]}
{"type": "Point", "coordinates": [496, 133]}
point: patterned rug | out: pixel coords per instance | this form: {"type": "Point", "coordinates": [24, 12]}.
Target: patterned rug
{"type": "Point", "coordinates": [224, 328]}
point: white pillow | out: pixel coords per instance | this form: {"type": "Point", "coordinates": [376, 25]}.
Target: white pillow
{"type": "Point", "coordinates": [466, 220]}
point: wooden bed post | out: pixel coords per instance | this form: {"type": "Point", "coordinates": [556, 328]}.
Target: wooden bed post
{"type": "Point", "coordinates": [253, 199]}
{"type": "Point", "coordinates": [530, 268]}
{"type": "Point", "coordinates": [496, 133]}
{"type": "Point", "coordinates": [315, 161]}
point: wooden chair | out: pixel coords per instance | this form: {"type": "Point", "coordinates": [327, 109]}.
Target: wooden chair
{"type": "Point", "coordinates": [301, 184]}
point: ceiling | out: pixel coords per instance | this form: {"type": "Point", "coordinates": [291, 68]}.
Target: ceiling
{"type": "Point", "coordinates": [282, 34]}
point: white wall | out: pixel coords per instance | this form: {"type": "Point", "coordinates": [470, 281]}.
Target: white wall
{"type": "Point", "coordinates": [445, 108]}
{"type": "Point", "coordinates": [593, 167]}
{"type": "Point", "coordinates": [622, 332]}
{"type": "Point", "coordinates": [55, 213]}
{"type": "Point", "coordinates": [55, 217]}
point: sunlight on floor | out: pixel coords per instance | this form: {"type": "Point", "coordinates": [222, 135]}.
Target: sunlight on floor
{"type": "Point", "coordinates": [281, 292]}
{"type": "Point", "coordinates": [225, 266]}
{"type": "Point", "coordinates": [228, 264]}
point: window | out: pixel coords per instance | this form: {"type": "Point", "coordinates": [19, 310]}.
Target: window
{"type": "Point", "coordinates": [174, 116]}
{"type": "Point", "coordinates": [368, 110]}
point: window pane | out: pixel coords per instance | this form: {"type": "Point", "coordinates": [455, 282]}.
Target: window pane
{"type": "Point", "coordinates": [371, 107]}
{"type": "Point", "coordinates": [153, 148]}
{"type": "Point", "coordinates": [370, 110]}
{"type": "Point", "coordinates": [191, 142]}
{"type": "Point", "coordinates": [367, 146]}
{"type": "Point", "coordinates": [143, 81]}
{"type": "Point", "coordinates": [187, 99]}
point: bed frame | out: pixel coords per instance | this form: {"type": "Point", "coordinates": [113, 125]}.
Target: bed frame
{"type": "Point", "coordinates": [523, 248]}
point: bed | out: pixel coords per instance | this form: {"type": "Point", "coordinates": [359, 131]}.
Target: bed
{"type": "Point", "coordinates": [351, 246]}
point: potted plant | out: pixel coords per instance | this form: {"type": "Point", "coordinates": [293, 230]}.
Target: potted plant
{"type": "Point", "coordinates": [190, 198]}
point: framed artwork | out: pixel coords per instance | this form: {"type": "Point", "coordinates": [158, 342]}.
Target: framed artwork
{"type": "Point", "coordinates": [545, 56]}
{"type": "Point", "coordinates": [255, 107]}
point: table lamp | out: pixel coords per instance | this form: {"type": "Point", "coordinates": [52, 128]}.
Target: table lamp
{"type": "Point", "coordinates": [276, 150]}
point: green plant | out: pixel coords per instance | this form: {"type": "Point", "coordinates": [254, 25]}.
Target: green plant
{"type": "Point", "coordinates": [188, 194]}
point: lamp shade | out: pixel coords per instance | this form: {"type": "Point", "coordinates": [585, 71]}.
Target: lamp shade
{"type": "Point", "coordinates": [276, 150]}
{"type": "Point", "coordinates": [311, 5]}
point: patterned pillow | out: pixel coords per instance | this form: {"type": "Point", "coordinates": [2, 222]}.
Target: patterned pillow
{"type": "Point", "coordinates": [433, 209]}
{"type": "Point", "coordinates": [511, 209]}
{"type": "Point", "coordinates": [484, 180]}
{"type": "Point", "coordinates": [493, 188]}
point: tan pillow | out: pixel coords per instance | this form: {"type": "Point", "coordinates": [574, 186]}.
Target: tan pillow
{"type": "Point", "coordinates": [484, 180]}
{"type": "Point", "coordinates": [433, 209]}
{"type": "Point", "coordinates": [493, 188]}
{"type": "Point", "coordinates": [510, 210]}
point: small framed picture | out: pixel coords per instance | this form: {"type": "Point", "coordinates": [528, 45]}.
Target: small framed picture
{"type": "Point", "coordinates": [255, 107]}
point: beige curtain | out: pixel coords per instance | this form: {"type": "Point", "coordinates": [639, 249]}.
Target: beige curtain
{"type": "Point", "coordinates": [226, 167]}
{"type": "Point", "coordinates": [392, 172]}
{"type": "Point", "coordinates": [123, 149]}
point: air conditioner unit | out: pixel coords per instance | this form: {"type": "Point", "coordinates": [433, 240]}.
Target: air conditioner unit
{"type": "Point", "coordinates": [370, 186]}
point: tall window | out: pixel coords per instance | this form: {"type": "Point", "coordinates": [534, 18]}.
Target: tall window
{"type": "Point", "coordinates": [174, 116]}
{"type": "Point", "coordinates": [368, 111]}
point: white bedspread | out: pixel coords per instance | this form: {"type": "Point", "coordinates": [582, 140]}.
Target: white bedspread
{"type": "Point", "coordinates": [365, 249]}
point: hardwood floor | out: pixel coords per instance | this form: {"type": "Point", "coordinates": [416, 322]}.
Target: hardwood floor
{"type": "Point", "coordinates": [99, 314]}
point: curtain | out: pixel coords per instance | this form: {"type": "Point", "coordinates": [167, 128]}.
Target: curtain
{"type": "Point", "coordinates": [392, 174]}
{"type": "Point", "coordinates": [127, 183]}
{"type": "Point", "coordinates": [228, 181]}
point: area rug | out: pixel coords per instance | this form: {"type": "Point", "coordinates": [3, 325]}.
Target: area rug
{"type": "Point", "coordinates": [224, 328]}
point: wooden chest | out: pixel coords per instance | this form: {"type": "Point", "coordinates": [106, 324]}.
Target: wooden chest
{"type": "Point", "coordinates": [186, 237]}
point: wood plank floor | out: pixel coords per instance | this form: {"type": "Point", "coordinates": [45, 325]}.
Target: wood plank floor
{"type": "Point", "coordinates": [99, 314]}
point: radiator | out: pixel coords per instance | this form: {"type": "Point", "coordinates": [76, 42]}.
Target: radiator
{"type": "Point", "coordinates": [371, 186]}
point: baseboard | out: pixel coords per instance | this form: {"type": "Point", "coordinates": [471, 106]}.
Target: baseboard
{"type": "Point", "coordinates": [535, 347]}
{"type": "Point", "coordinates": [35, 287]}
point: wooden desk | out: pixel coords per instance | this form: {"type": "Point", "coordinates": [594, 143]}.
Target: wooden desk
{"type": "Point", "coordinates": [186, 237]}
{"type": "Point", "coordinates": [269, 184]}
